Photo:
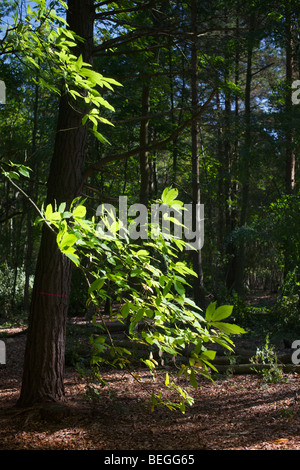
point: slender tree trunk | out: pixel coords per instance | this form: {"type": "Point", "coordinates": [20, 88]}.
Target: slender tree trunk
{"type": "Point", "coordinates": [227, 163]}
{"type": "Point", "coordinates": [221, 198]}
{"type": "Point", "coordinates": [199, 292]}
{"type": "Point", "coordinates": [290, 160]}
{"type": "Point", "coordinates": [144, 162]}
{"type": "Point", "coordinates": [231, 152]}
{"type": "Point", "coordinates": [43, 376]}
{"type": "Point", "coordinates": [290, 154]}
{"type": "Point", "coordinates": [245, 163]}
{"type": "Point", "coordinates": [29, 246]}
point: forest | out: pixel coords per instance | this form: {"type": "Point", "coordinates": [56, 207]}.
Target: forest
{"type": "Point", "coordinates": [150, 221]}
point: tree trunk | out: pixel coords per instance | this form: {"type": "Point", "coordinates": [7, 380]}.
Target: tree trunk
{"type": "Point", "coordinates": [245, 162]}
{"type": "Point", "coordinates": [227, 177]}
{"type": "Point", "coordinates": [199, 292]}
{"type": "Point", "coordinates": [43, 376]}
{"type": "Point", "coordinates": [144, 162]}
{"type": "Point", "coordinates": [290, 154]}
{"type": "Point", "coordinates": [290, 160]}
{"type": "Point", "coordinates": [232, 185]}
{"type": "Point", "coordinates": [29, 215]}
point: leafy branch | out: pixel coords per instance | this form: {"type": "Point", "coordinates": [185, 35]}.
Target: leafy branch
{"type": "Point", "coordinates": [159, 314]}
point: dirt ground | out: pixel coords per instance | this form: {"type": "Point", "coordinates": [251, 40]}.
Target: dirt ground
{"type": "Point", "coordinates": [235, 413]}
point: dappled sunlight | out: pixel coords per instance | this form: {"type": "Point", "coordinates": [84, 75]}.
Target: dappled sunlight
{"type": "Point", "coordinates": [234, 412]}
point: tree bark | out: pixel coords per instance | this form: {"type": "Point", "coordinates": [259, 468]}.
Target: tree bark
{"type": "Point", "coordinates": [290, 158]}
{"type": "Point", "coordinates": [199, 292]}
{"type": "Point", "coordinates": [43, 375]}
{"type": "Point", "coordinates": [227, 176]}
{"type": "Point", "coordinates": [144, 162]}
{"type": "Point", "coordinates": [245, 162]}
{"type": "Point", "coordinates": [29, 215]}
{"type": "Point", "coordinates": [290, 154]}
{"type": "Point", "coordinates": [232, 249]}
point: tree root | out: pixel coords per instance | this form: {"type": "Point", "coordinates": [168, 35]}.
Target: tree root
{"type": "Point", "coordinates": [50, 411]}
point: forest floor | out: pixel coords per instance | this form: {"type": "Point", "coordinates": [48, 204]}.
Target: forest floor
{"type": "Point", "coordinates": [236, 412]}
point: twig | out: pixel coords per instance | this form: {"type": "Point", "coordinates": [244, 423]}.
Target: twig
{"type": "Point", "coordinates": [30, 200]}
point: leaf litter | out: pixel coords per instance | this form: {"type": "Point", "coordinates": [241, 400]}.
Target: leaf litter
{"type": "Point", "coordinates": [236, 412]}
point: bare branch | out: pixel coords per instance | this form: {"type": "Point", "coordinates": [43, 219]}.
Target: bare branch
{"type": "Point", "coordinates": [132, 51]}
{"type": "Point", "coordinates": [97, 166]}
{"type": "Point", "coordinates": [150, 116]}
{"type": "Point", "coordinates": [125, 10]}
{"type": "Point", "coordinates": [10, 216]}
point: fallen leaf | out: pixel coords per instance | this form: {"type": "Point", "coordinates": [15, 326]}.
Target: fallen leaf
{"type": "Point", "coordinates": [280, 441]}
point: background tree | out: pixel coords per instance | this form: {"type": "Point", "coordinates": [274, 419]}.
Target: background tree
{"type": "Point", "coordinates": [43, 377]}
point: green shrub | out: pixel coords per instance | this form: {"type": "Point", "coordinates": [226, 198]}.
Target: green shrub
{"type": "Point", "coordinates": [267, 356]}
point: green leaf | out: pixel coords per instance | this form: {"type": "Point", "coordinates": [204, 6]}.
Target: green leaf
{"type": "Point", "coordinates": [179, 288]}
{"type": "Point", "coordinates": [182, 268]}
{"type": "Point", "coordinates": [96, 285]}
{"type": "Point", "coordinates": [182, 406]}
{"type": "Point", "coordinates": [68, 33]}
{"type": "Point", "coordinates": [222, 312]}
{"type": "Point", "coordinates": [162, 280]}
{"type": "Point", "coordinates": [179, 243]}
{"type": "Point", "coordinates": [125, 310]}
{"type": "Point", "coordinates": [149, 363]}
{"type": "Point", "coordinates": [229, 328]}
{"type": "Point", "coordinates": [11, 174]}
{"type": "Point", "coordinates": [140, 314]}
{"type": "Point", "coordinates": [67, 240]}
{"type": "Point", "coordinates": [169, 350]}
{"type": "Point", "coordinates": [193, 380]}
{"type": "Point", "coordinates": [169, 195]}
{"type": "Point", "coordinates": [210, 311]}
{"type": "Point", "coordinates": [30, 59]}
{"type": "Point", "coordinates": [99, 136]}
{"type": "Point", "coordinates": [112, 81]}
{"type": "Point", "coordinates": [79, 63]}
{"type": "Point", "coordinates": [79, 211]}
{"type": "Point", "coordinates": [84, 119]}
{"type": "Point", "coordinates": [96, 77]}
{"type": "Point", "coordinates": [48, 211]}
{"type": "Point", "coordinates": [167, 288]}
{"type": "Point", "coordinates": [24, 171]}
{"type": "Point", "coordinates": [73, 258]}
{"type": "Point", "coordinates": [62, 207]}
{"type": "Point", "coordinates": [208, 355]}
{"type": "Point", "coordinates": [142, 253]}
{"type": "Point", "coordinates": [55, 216]}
